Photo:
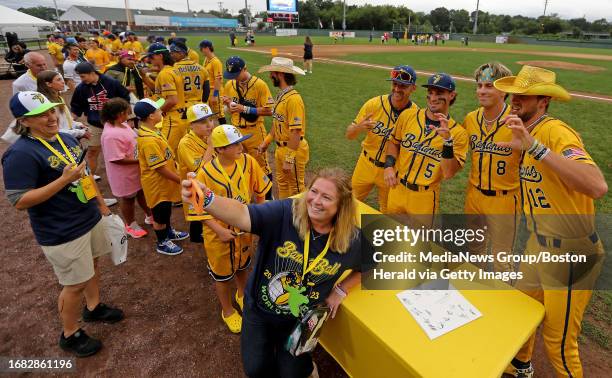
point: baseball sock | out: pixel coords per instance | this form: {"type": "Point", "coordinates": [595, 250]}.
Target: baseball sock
{"type": "Point", "coordinates": [161, 235]}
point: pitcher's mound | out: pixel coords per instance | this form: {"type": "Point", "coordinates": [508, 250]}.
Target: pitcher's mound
{"type": "Point", "coordinates": [562, 65]}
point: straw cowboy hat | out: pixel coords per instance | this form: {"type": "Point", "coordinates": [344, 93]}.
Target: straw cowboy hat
{"type": "Point", "coordinates": [280, 64]}
{"type": "Point", "coordinates": [533, 81]}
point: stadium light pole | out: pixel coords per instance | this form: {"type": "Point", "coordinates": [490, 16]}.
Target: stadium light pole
{"type": "Point", "coordinates": [56, 11]}
{"type": "Point", "coordinates": [188, 10]}
{"type": "Point", "coordinates": [127, 15]}
{"type": "Point", "coordinates": [344, 16]}
{"type": "Point", "coordinates": [476, 18]}
{"type": "Point", "coordinates": [246, 14]}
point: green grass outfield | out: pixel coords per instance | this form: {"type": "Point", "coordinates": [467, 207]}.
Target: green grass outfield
{"type": "Point", "coordinates": [334, 94]}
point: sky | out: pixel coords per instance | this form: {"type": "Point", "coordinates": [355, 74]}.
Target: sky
{"type": "Point", "coordinates": [595, 9]}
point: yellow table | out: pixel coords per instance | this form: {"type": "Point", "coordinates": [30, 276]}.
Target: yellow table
{"type": "Point", "coordinates": [374, 335]}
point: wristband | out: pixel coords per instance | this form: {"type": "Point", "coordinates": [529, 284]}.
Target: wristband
{"type": "Point", "coordinates": [448, 142]}
{"type": "Point", "coordinates": [542, 154]}
{"type": "Point", "coordinates": [340, 292]}
{"type": "Point", "coordinates": [389, 161]}
{"type": "Point", "coordinates": [209, 197]}
{"type": "Point", "coordinates": [447, 151]}
{"type": "Point", "coordinates": [216, 93]}
{"type": "Point", "coordinates": [533, 146]}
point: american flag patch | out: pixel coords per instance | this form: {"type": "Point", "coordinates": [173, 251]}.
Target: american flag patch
{"type": "Point", "coordinates": [573, 153]}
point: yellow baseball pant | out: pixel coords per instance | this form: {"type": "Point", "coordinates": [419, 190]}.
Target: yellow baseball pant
{"type": "Point", "coordinates": [291, 183]}
{"type": "Point", "coordinates": [225, 259]}
{"type": "Point", "coordinates": [564, 307]}
{"type": "Point", "coordinates": [367, 175]}
{"type": "Point", "coordinates": [500, 212]}
{"type": "Point", "coordinates": [174, 127]}
{"type": "Point", "coordinates": [250, 145]}
{"type": "Point", "coordinates": [424, 203]}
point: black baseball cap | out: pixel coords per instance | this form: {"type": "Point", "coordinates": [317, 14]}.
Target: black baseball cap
{"type": "Point", "coordinates": [84, 68]}
{"type": "Point", "coordinates": [206, 43]}
{"type": "Point", "coordinates": [233, 67]}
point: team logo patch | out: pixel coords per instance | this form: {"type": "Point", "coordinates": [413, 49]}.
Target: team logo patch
{"type": "Point", "coordinates": [38, 97]}
{"type": "Point", "coordinates": [153, 158]}
{"type": "Point", "coordinates": [574, 153]}
{"type": "Point", "coordinates": [166, 86]}
{"type": "Point", "coordinates": [437, 78]}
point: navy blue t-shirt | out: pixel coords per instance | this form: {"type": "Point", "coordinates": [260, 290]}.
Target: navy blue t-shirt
{"type": "Point", "coordinates": [279, 262]}
{"type": "Point", "coordinates": [28, 164]}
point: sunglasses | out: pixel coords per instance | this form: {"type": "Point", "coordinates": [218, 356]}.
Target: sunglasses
{"type": "Point", "coordinates": [401, 75]}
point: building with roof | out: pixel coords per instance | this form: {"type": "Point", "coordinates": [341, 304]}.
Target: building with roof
{"type": "Point", "coordinates": [24, 25]}
{"type": "Point", "coordinates": [83, 18]}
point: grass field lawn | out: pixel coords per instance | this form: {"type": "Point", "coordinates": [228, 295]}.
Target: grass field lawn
{"type": "Point", "coordinates": [334, 94]}
{"type": "Point", "coordinates": [464, 63]}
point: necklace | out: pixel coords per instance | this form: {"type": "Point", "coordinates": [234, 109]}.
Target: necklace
{"type": "Point", "coordinates": [313, 232]}
{"type": "Point", "coordinates": [496, 118]}
{"type": "Point", "coordinates": [532, 124]}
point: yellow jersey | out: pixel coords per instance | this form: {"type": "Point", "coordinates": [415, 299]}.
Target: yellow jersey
{"type": "Point", "coordinates": [193, 55]}
{"type": "Point", "coordinates": [246, 180]}
{"type": "Point", "coordinates": [154, 152]}
{"type": "Point", "coordinates": [493, 167]}
{"type": "Point", "coordinates": [215, 71]}
{"type": "Point", "coordinates": [190, 153]}
{"type": "Point", "coordinates": [170, 83]}
{"type": "Point", "coordinates": [545, 196]}
{"type": "Point", "coordinates": [375, 142]}
{"type": "Point", "coordinates": [288, 114]}
{"type": "Point", "coordinates": [257, 94]}
{"type": "Point", "coordinates": [420, 152]}
{"type": "Point", "coordinates": [100, 57]}
{"type": "Point", "coordinates": [134, 46]}
{"type": "Point", "coordinates": [55, 50]}
{"type": "Point", "coordinates": [102, 41]}
{"type": "Point", "coordinates": [115, 46]}
{"type": "Point", "coordinates": [194, 76]}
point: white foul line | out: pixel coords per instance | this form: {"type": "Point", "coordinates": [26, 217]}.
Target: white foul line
{"type": "Point", "coordinates": [378, 66]}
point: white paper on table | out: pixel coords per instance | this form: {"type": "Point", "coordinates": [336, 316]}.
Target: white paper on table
{"type": "Point", "coordinates": [438, 311]}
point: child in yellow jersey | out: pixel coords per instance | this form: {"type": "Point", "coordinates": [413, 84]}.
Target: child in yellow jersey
{"type": "Point", "coordinates": [158, 175]}
{"type": "Point", "coordinates": [99, 57]}
{"type": "Point", "coordinates": [193, 152]}
{"type": "Point", "coordinates": [236, 175]}
{"type": "Point", "coordinates": [213, 65]}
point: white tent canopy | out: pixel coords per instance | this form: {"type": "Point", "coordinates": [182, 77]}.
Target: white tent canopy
{"type": "Point", "coordinates": [24, 25]}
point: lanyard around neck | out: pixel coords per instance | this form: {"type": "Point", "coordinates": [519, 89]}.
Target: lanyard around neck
{"type": "Point", "coordinates": [308, 267]}
{"type": "Point", "coordinates": [229, 181]}
{"type": "Point", "coordinates": [56, 152]}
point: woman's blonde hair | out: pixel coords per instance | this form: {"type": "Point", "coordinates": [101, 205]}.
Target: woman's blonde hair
{"type": "Point", "coordinates": [344, 223]}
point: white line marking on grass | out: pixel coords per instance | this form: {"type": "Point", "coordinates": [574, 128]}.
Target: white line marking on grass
{"type": "Point", "coordinates": [382, 67]}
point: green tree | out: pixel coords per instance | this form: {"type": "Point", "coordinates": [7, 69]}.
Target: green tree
{"type": "Point", "coordinates": [45, 13]}
{"type": "Point", "coordinates": [440, 19]}
{"type": "Point", "coordinates": [461, 20]}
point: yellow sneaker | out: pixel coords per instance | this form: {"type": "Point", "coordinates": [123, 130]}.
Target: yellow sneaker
{"type": "Point", "coordinates": [240, 301]}
{"type": "Point", "coordinates": [234, 322]}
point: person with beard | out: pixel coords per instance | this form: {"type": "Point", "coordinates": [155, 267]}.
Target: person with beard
{"type": "Point", "coordinates": [288, 128]}
{"type": "Point", "coordinates": [429, 146]}
{"type": "Point", "coordinates": [130, 76]}
{"type": "Point", "coordinates": [248, 99]}
{"type": "Point", "coordinates": [559, 181]}
{"type": "Point", "coordinates": [377, 118]}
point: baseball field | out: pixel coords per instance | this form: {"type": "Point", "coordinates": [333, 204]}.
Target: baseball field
{"type": "Point", "coordinates": [173, 326]}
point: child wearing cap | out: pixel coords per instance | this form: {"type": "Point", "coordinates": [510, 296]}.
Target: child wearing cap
{"type": "Point", "coordinates": [119, 148]}
{"type": "Point", "coordinates": [194, 150]}
{"type": "Point", "coordinates": [236, 175]}
{"type": "Point", "coordinates": [158, 175]}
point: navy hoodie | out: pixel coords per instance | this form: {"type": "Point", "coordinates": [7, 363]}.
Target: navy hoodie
{"type": "Point", "coordinates": [89, 99]}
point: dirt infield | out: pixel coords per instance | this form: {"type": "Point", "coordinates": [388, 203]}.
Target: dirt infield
{"type": "Point", "coordinates": [173, 325]}
{"type": "Point", "coordinates": [332, 51]}
{"type": "Point", "coordinates": [562, 65]}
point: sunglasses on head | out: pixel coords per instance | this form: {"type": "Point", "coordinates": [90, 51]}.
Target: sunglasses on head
{"type": "Point", "coordinates": [401, 75]}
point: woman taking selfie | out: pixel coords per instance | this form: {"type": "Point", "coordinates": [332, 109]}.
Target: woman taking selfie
{"type": "Point", "coordinates": [318, 228]}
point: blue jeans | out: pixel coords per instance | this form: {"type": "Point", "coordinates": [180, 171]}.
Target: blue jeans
{"type": "Point", "coordinates": [262, 346]}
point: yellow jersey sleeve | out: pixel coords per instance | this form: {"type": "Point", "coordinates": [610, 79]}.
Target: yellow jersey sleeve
{"type": "Point", "coordinates": [566, 142]}
{"type": "Point", "coordinates": [166, 83]}
{"type": "Point", "coordinates": [263, 95]}
{"type": "Point", "coordinates": [217, 69]}
{"type": "Point", "coordinates": [296, 115]}
{"type": "Point", "coordinates": [193, 55]}
{"type": "Point", "coordinates": [260, 183]}
{"type": "Point", "coordinates": [153, 154]}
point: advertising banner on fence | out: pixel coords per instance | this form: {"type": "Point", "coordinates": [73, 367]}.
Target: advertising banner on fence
{"type": "Point", "coordinates": [339, 34]}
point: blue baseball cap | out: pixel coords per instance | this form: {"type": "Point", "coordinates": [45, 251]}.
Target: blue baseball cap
{"type": "Point", "coordinates": [206, 43]}
{"type": "Point", "coordinates": [159, 39]}
{"type": "Point", "coordinates": [180, 39]}
{"type": "Point", "coordinates": [146, 107]}
{"type": "Point", "coordinates": [178, 47]}
{"type": "Point", "coordinates": [156, 48]}
{"type": "Point", "coordinates": [403, 75]}
{"type": "Point", "coordinates": [442, 81]}
{"type": "Point", "coordinates": [233, 67]}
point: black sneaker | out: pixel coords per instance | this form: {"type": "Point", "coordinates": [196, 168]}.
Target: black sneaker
{"type": "Point", "coordinates": [102, 313]}
{"type": "Point", "coordinates": [80, 344]}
